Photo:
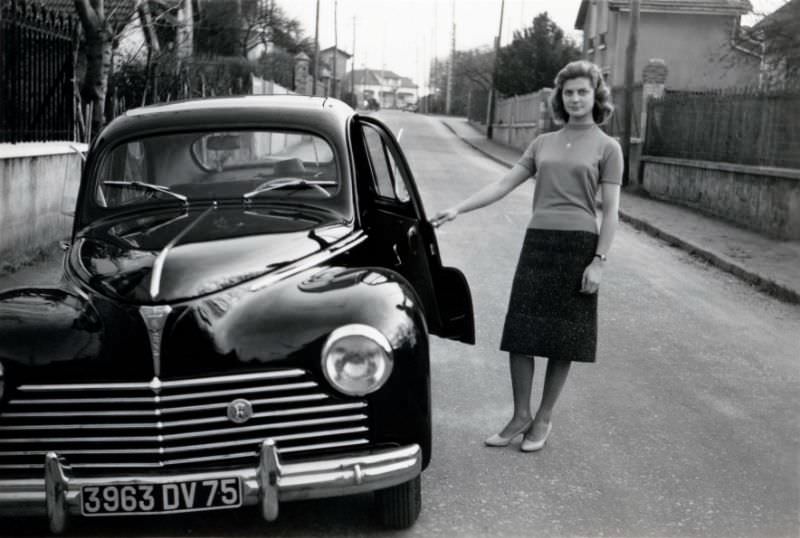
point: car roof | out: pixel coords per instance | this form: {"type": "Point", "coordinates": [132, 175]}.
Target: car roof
{"type": "Point", "coordinates": [317, 114]}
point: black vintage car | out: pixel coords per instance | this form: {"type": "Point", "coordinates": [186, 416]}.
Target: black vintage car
{"type": "Point", "coordinates": [243, 320]}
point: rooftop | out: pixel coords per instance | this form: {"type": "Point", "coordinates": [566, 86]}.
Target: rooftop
{"type": "Point", "coordinates": [693, 7]}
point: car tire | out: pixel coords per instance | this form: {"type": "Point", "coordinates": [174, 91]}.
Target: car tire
{"type": "Point", "coordinates": [399, 506]}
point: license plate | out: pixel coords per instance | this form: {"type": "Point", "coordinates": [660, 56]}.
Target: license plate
{"type": "Point", "coordinates": [186, 496]}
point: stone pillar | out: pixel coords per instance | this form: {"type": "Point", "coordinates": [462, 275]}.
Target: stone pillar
{"type": "Point", "coordinates": [302, 81]}
{"type": "Point", "coordinates": [654, 75]}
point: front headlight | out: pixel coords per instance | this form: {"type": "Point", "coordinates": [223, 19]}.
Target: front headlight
{"type": "Point", "coordinates": [357, 359]}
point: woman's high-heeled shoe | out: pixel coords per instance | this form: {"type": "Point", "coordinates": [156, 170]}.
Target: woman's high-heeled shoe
{"type": "Point", "coordinates": [532, 445]}
{"type": "Point", "coordinates": [499, 440]}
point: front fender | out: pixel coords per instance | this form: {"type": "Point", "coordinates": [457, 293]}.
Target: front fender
{"type": "Point", "coordinates": [40, 326]}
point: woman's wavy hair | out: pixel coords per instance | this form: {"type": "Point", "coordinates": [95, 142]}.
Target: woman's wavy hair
{"type": "Point", "coordinates": [603, 107]}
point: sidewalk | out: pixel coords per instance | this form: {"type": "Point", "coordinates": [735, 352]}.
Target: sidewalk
{"type": "Point", "coordinates": [771, 265]}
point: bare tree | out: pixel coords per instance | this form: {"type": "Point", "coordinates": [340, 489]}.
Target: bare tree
{"type": "Point", "coordinates": [99, 35]}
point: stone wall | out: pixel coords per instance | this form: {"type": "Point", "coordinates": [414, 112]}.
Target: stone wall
{"type": "Point", "coordinates": [38, 189]}
{"type": "Point", "coordinates": [765, 200]}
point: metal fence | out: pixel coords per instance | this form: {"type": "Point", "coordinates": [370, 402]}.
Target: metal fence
{"type": "Point", "coordinates": [744, 127]}
{"type": "Point", "coordinates": [37, 49]}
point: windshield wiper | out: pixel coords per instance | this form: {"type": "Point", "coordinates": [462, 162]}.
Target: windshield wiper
{"type": "Point", "coordinates": [281, 183]}
{"type": "Point", "coordinates": [149, 186]}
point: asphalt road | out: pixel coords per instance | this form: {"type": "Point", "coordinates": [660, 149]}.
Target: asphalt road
{"type": "Point", "coordinates": [686, 426]}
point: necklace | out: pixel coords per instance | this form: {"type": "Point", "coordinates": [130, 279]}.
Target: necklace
{"type": "Point", "coordinates": [580, 134]}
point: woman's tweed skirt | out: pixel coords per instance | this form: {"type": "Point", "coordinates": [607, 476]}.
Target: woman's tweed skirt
{"type": "Point", "coordinates": [547, 314]}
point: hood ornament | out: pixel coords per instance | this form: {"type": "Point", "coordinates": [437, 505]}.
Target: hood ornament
{"type": "Point", "coordinates": [158, 264]}
{"type": "Point", "coordinates": [155, 317]}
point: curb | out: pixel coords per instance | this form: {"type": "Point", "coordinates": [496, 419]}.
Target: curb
{"type": "Point", "coordinates": [764, 284]}
{"type": "Point", "coordinates": [476, 148]}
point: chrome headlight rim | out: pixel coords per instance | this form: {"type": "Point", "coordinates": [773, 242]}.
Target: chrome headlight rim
{"type": "Point", "coordinates": [365, 331]}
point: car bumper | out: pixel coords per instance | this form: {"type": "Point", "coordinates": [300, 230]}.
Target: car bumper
{"type": "Point", "coordinates": [57, 495]}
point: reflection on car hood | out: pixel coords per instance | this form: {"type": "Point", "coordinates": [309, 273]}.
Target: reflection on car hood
{"type": "Point", "coordinates": [202, 251]}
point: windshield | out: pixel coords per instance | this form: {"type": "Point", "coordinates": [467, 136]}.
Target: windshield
{"type": "Point", "coordinates": [186, 167]}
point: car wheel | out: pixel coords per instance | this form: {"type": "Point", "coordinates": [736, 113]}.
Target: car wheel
{"type": "Point", "coordinates": [399, 506]}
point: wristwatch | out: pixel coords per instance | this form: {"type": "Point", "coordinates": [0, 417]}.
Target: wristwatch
{"type": "Point", "coordinates": [602, 257]}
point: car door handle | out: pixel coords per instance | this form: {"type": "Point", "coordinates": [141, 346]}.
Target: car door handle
{"type": "Point", "coordinates": [411, 235]}
{"type": "Point", "coordinates": [398, 261]}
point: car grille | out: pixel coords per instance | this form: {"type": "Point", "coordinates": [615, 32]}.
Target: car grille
{"type": "Point", "coordinates": [180, 425]}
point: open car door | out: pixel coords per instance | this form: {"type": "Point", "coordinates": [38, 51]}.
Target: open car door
{"type": "Point", "coordinates": [393, 213]}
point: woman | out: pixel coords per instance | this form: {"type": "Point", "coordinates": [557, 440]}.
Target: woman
{"type": "Point", "coordinates": [552, 310]}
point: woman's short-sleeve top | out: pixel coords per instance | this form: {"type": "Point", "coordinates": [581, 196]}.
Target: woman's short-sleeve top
{"type": "Point", "coordinates": [569, 165]}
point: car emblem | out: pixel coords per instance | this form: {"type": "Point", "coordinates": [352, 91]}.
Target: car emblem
{"type": "Point", "coordinates": [240, 411]}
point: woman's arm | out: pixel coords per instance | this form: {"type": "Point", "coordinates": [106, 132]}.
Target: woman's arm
{"type": "Point", "coordinates": [608, 228]}
{"type": "Point", "coordinates": [485, 196]}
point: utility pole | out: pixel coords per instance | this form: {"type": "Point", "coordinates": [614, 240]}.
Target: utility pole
{"type": "Point", "coordinates": [316, 55]}
{"type": "Point", "coordinates": [630, 65]}
{"type": "Point", "coordinates": [449, 97]}
{"type": "Point", "coordinates": [435, 53]}
{"type": "Point", "coordinates": [353, 67]}
{"type": "Point", "coordinates": [492, 90]}
{"type": "Point", "coordinates": [335, 46]}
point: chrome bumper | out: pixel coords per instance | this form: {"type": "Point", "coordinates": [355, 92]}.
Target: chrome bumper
{"type": "Point", "coordinates": [57, 495]}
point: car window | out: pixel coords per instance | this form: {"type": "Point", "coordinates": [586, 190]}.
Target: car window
{"type": "Point", "coordinates": [389, 177]}
{"type": "Point", "coordinates": [217, 165]}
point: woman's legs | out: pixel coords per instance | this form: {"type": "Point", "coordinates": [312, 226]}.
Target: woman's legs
{"type": "Point", "coordinates": [521, 367]}
{"type": "Point", "coordinates": [554, 381]}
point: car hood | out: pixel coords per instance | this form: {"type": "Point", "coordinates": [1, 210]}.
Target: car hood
{"type": "Point", "coordinates": [169, 256]}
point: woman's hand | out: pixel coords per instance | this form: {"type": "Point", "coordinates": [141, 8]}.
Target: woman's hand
{"type": "Point", "coordinates": [444, 216]}
{"type": "Point", "coordinates": [592, 276]}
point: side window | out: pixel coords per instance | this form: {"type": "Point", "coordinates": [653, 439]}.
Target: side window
{"type": "Point", "coordinates": [390, 182]}
{"type": "Point", "coordinates": [400, 190]}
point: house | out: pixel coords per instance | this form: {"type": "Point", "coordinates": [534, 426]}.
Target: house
{"type": "Point", "coordinates": [334, 60]}
{"type": "Point", "coordinates": [388, 88]}
{"type": "Point", "coordinates": [779, 32]}
{"type": "Point", "coordinates": [699, 40]}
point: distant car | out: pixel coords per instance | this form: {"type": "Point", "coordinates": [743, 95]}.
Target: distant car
{"type": "Point", "coordinates": [243, 319]}
{"type": "Point", "coordinates": [372, 104]}
{"type": "Point", "coordinates": [410, 107]}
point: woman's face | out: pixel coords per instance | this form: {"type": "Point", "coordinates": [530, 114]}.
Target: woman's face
{"type": "Point", "coordinates": [578, 96]}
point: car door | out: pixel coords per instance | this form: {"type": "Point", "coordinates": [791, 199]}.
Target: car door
{"type": "Point", "coordinates": [393, 213]}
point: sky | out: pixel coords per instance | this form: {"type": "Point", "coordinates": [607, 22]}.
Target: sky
{"type": "Point", "coordinates": [404, 35]}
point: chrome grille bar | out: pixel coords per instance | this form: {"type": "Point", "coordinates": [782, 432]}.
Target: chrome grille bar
{"type": "Point", "coordinates": [190, 422]}
{"type": "Point", "coordinates": [240, 442]}
{"type": "Point", "coordinates": [165, 410]}
{"type": "Point", "coordinates": [287, 399]}
{"type": "Point", "coordinates": [190, 435]}
{"type": "Point", "coordinates": [176, 397]}
{"type": "Point", "coordinates": [46, 414]}
{"type": "Point", "coordinates": [198, 382]}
